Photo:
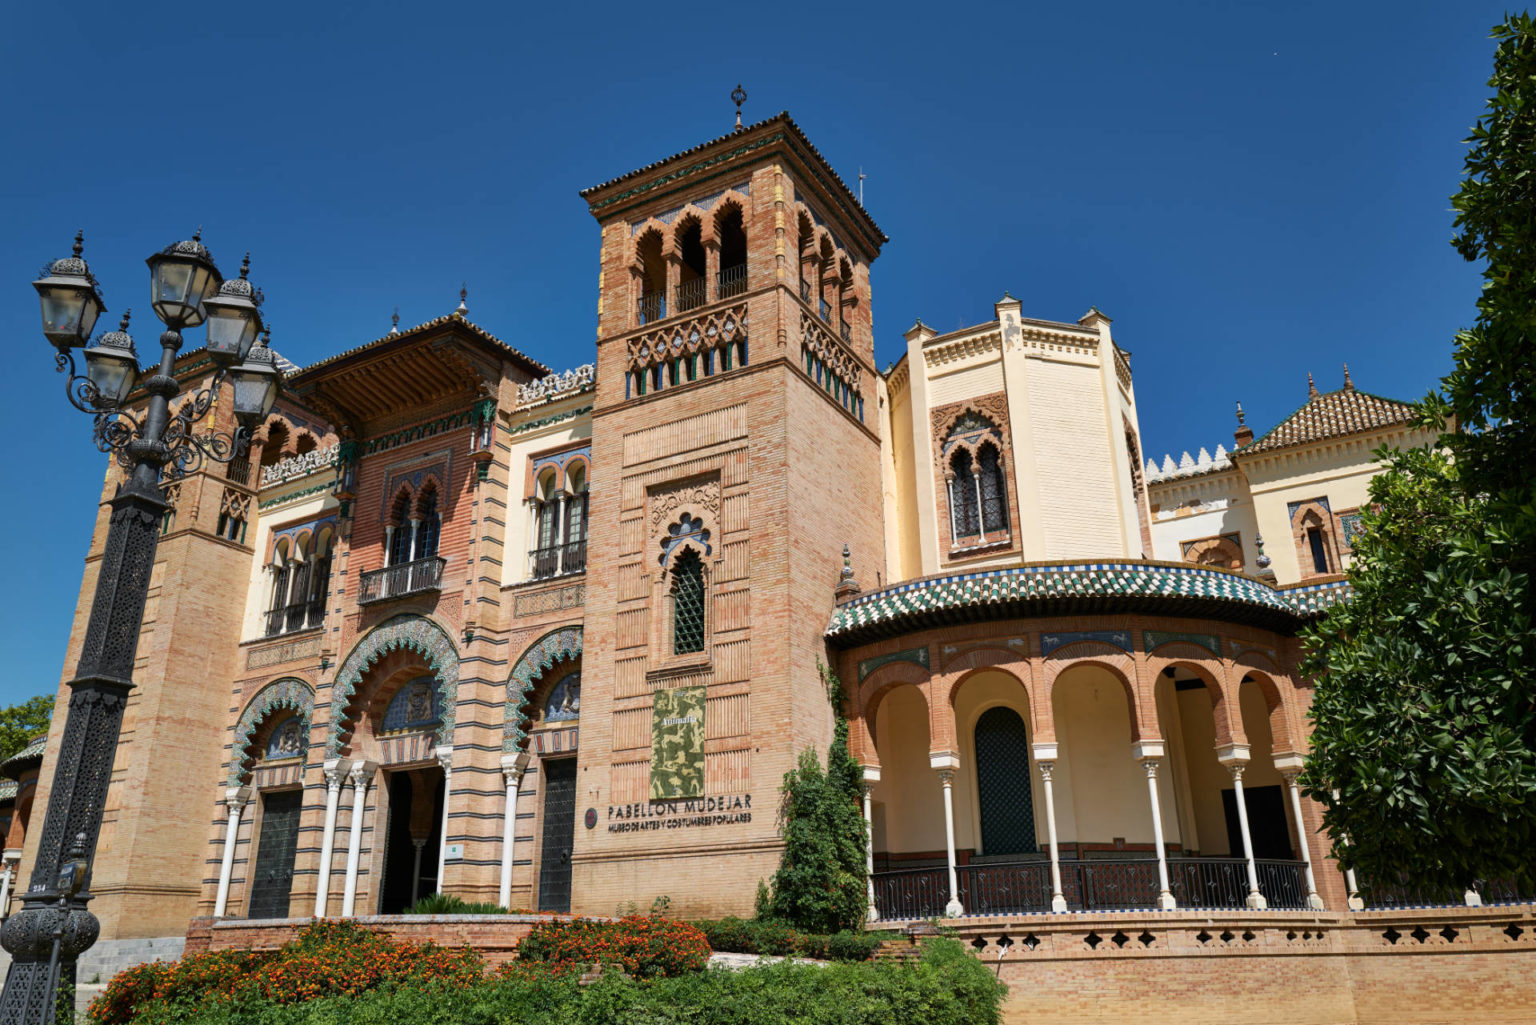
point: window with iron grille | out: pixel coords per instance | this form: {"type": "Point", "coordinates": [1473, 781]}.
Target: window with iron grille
{"type": "Point", "coordinates": [962, 492]}
{"type": "Point", "coordinates": [994, 498]}
{"type": "Point", "coordinates": [687, 603]}
{"type": "Point", "coordinates": [431, 526]}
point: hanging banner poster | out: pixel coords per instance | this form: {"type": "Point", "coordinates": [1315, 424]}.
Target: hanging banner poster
{"type": "Point", "coordinates": [677, 743]}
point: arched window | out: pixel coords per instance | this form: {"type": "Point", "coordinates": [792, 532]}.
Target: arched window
{"type": "Point", "coordinates": [1002, 783]}
{"type": "Point", "coordinates": [807, 257]}
{"type": "Point", "coordinates": [574, 558]}
{"type": "Point", "coordinates": [564, 701]}
{"type": "Point", "coordinates": [963, 507]}
{"type": "Point", "coordinates": [994, 497]}
{"type": "Point", "coordinates": [320, 574]}
{"type": "Point", "coordinates": [651, 304]}
{"type": "Point", "coordinates": [430, 524]}
{"type": "Point", "coordinates": [691, 268]}
{"type": "Point", "coordinates": [272, 448]}
{"type": "Point", "coordinates": [414, 706]}
{"type": "Point", "coordinates": [733, 251]}
{"type": "Point", "coordinates": [687, 602]}
{"type": "Point", "coordinates": [307, 443]}
{"type": "Point", "coordinates": [400, 529]}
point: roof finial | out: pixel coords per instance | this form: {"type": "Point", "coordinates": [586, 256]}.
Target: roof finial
{"type": "Point", "coordinates": [79, 242]}
{"type": "Point", "coordinates": [1242, 418]}
{"type": "Point", "coordinates": [124, 325]}
{"type": "Point", "coordinates": [394, 322]}
{"type": "Point", "coordinates": [1349, 385]}
{"type": "Point", "coordinates": [463, 309]}
{"type": "Point", "coordinates": [739, 95]}
{"type": "Point", "coordinates": [1311, 387]}
{"type": "Point", "coordinates": [847, 585]}
{"type": "Point", "coordinates": [245, 265]}
{"type": "Point", "coordinates": [197, 236]}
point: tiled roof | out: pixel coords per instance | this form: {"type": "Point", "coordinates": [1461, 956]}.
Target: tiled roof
{"type": "Point", "coordinates": [1333, 414]}
{"type": "Point", "coordinates": [782, 117]}
{"type": "Point", "coordinates": [473, 328]}
{"type": "Point", "coordinates": [1074, 588]}
{"type": "Point", "coordinates": [8, 788]}
{"type": "Point", "coordinates": [28, 756]}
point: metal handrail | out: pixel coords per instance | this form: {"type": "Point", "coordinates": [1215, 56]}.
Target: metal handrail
{"type": "Point", "coordinates": [732, 281]}
{"type": "Point", "coordinates": [691, 294]}
{"type": "Point", "coordinates": [846, 332]}
{"type": "Point", "coordinates": [825, 309]}
{"type": "Point", "coordinates": [400, 580]}
{"type": "Point", "coordinates": [652, 306]}
{"type": "Point", "coordinates": [558, 560]}
{"type": "Point", "coordinates": [309, 615]}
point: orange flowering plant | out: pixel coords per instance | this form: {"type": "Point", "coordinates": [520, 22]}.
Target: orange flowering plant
{"type": "Point", "coordinates": [644, 946]}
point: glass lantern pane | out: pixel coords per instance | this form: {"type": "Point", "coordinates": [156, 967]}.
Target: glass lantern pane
{"type": "Point", "coordinates": [172, 282]}
{"type": "Point", "coordinates": [61, 310]}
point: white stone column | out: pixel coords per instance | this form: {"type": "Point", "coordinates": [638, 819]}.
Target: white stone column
{"type": "Point", "coordinates": [512, 769]}
{"type": "Point", "coordinates": [871, 777]}
{"type": "Point", "coordinates": [1290, 769]}
{"type": "Point", "coordinates": [360, 775]}
{"type": "Point", "coordinates": [1235, 758]}
{"type": "Point", "coordinates": [10, 860]}
{"type": "Point", "coordinates": [1148, 753]}
{"type": "Point", "coordinates": [234, 800]}
{"type": "Point", "coordinates": [445, 759]}
{"type": "Point", "coordinates": [561, 501]}
{"type": "Point", "coordinates": [335, 771]}
{"type": "Point", "coordinates": [1352, 888]}
{"type": "Point", "coordinates": [945, 763]}
{"type": "Point", "coordinates": [416, 869]}
{"type": "Point", "coordinates": [1045, 758]}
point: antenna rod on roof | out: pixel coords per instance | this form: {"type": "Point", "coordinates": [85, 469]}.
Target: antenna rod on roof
{"type": "Point", "coordinates": [862, 176]}
{"type": "Point", "coordinates": [739, 95]}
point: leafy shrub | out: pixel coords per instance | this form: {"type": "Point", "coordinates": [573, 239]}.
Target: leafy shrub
{"type": "Point", "coordinates": [946, 986]}
{"type": "Point", "coordinates": [448, 904]}
{"type": "Point", "coordinates": [645, 946]}
{"type": "Point", "coordinates": [773, 938]}
{"type": "Point", "coordinates": [819, 886]}
{"type": "Point", "coordinates": [326, 958]}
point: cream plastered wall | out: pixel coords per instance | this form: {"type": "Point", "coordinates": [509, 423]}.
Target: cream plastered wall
{"type": "Point", "coordinates": [1225, 508]}
{"type": "Point", "coordinates": [521, 447]}
{"type": "Point", "coordinates": [1080, 505]}
{"type": "Point", "coordinates": [258, 596]}
{"type": "Point", "coordinates": [1208, 777]}
{"type": "Point", "coordinates": [1101, 791]}
{"type": "Point", "coordinates": [1340, 470]}
{"type": "Point", "coordinates": [909, 802]}
{"type": "Point", "coordinates": [903, 548]}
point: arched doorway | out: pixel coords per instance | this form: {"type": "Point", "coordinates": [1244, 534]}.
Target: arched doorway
{"type": "Point", "coordinates": [1003, 784]}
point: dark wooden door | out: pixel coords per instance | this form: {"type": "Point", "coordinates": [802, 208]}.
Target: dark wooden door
{"type": "Point", "coordinates": [559, 834]}
{"type": "Point", "coordinates": [272, 880]}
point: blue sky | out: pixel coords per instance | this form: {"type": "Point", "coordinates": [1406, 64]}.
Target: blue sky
{"type": "Point", "coordinates": [1250, 191]}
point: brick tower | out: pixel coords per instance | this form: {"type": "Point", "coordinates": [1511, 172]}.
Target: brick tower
{"type": "Point", "coordinates": [735, 451]}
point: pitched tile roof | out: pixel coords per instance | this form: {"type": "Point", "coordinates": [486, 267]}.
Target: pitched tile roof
{"type": "Point", "coordinates": [1077, 588]}
{"type": "Point", "coordinates": [28, 756]}
{"type": "Point", "coordinates": [1334, 414]}
{"type": "Point", "coordinates": [782, 117]}
{"type": "Point", "coordinates": [532, 365]}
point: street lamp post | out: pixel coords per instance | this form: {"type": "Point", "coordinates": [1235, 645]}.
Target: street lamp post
{"type": "Point", "coordinates": [54, 926]}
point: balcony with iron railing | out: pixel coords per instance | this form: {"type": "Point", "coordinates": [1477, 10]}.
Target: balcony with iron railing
{"type": "Point", "coordinates": [825, 309]}
{"type": "Point", "coordinates": [651, 307]}
{"type": "Point", "coordinates": [846, 331]}
{"type": "Point", "coordinates": [558, 560]}
{"type": "Point", "coordinates": [309, 615]}
{"type": "Point", "coordinates": [407, 578]}
{"type": "Point", "coordinates": [732, 281]}
{"type": "Point", "coordinates": [1024, 886]}
{"type": "Point", "coordinates": [805, 291]}
{"type": "Point", "coordinates": [691, 294]}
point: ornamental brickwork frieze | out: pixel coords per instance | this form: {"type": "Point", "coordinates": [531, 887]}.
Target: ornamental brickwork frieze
{"type": "Point", "coordinates": [829, 350]}
{"type": "Point", "coordinates": [698, 495]}
{"type": "Point", "coordinates": [711, 331]}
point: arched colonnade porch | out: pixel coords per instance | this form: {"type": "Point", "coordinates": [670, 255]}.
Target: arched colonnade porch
{"type": "Point", "coordinates": [1032, 765]}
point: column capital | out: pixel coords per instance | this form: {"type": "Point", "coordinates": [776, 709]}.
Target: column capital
{"type": "Point", "coordinates": [444, 755]}
{"type": "Point", "coordinates": [943, 760]}
{"type": "Point", "coordinates": [335, 770]}
{"type": "Point", "coordinates": [1144, 750]}
{"type": "Point", "coordinates": [1229, 754]}
{"type": "Point", "coordinates": [871, 774]}
{"type": "Point", "coordinates": [947, 777]}
{"type": "Point", "coordinates": [1045, 751]}
{"type": "Point", "coordinates": [237, 796]}
{"type": "Point", "coordinates": [1290, 775]}
{"type": "Point", "coordinates": [1236, 769]}
{"type": "Point", "coordinates": [1289, 762]}
{"type": "Point", "coordinates": [1046, 768]}
{"type": "Point", "coordinates": [1150, 764]}
{"type": "Point", "coordinates": [361, 774]}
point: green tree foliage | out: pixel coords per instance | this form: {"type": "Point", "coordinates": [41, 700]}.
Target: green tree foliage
{"type": "Point", "coordinates": [1423, 713]}
{"type": "Point", "coordinates": [20, 723]}
{"type": "Point", "coordinates": [819, 886]}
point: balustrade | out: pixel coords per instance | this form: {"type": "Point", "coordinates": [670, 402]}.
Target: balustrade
{"type": "Point", "coordinates": [308, 615]}
{"type": "Point", "coordinates": [732, 281]}
{"type": "Point", "coordinates": [690, 295]}
{"type": "Point", "coordinates": [557, 560]}
{"type": "Point", "coordinates": [652, 307]}
{"type": "Point", "coordinates": [398, 581]}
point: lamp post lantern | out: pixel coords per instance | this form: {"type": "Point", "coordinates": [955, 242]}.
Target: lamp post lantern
{"type": "Point", "coordinates": [54, 926]}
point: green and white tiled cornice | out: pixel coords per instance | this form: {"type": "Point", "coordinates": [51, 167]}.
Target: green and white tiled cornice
{"type": "Point", "coordinates": [1077, 588]}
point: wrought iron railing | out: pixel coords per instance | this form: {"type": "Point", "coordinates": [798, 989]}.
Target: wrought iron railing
{"type": "Point", "coordinates": [691, 294]}
{"type": "Point", "coordinates": [652, 306]}
{"type": "Point", "coordinates": [1402, 894]}
{"type": "Point", "coordinates": [825, 309]}
{"type": "Point", "coordinates": [912, 893]}
{"type": "Point", "coordinates": [239, 471]}
{"type": "Point", "coordinates": [1223, 882]}
{"type": "Point", "coordinates": [398, 581]}
{"type": "Point", "coordinates": [308, 615]}
{"type": "Point", "coordinates": [846, 332]}
{"type": "Point", "coordinates": [556, 560]}
{"type": "Point", "coordinates": [1020, 887]}
{"type": "Point", "coordinates": [1005, 889]}
{"type": "Point", "coordinates": [733, 281]}
{"type": "Point", "coordinates": [805, 291]}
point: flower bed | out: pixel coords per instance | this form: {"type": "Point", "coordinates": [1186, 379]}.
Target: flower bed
{"type": "Point", "coordinates": [764, 936]}
{"type": "Point", "coordinates": [644, 946]}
